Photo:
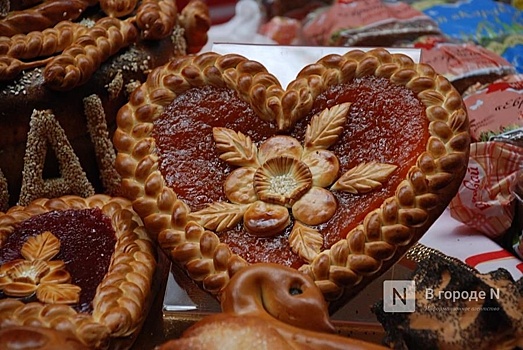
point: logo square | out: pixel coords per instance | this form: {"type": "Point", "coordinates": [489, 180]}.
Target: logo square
{"type": "Point", "coordinates": [399, 296]}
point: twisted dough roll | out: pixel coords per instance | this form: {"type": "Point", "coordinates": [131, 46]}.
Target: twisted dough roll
{"type": "Point", "coordinates": [78, 62]}
{"type": "Point", "coordinates": [83, 50]}
{"type": "Point", "coordinates": [35, 44]}
{"type": "Point", "coordinates": [43, 16]}
{"type": "Point", "coordinates": [156, 19]}
{"type": "Point", "coordinates": [44, 43]}
{"type": "Point", "coordinates": [268, 306]}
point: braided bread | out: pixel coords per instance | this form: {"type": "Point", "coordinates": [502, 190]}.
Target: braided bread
{"type": "Point", "coordinates": [43, 16]}
{"type": "Point", "coordinates": [79, 61]}
{"type": "Point", "coordinates": [324, 204]}
{"type": "Point", "coordinates": [156, 19]}
{"type": "Point", "coordinates": [44, 43]}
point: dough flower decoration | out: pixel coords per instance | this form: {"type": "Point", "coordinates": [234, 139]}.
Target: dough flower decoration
{"type": "Point", "coordinates": [283, 179]}
{"type": "Point", "coordinates": [37, 274]}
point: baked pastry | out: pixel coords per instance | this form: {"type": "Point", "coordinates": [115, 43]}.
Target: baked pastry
{"type": "Point", "coordinates": [66, 67]}
{"type": "Point", "coordinates": [268, 306]}
{"type": "Point", "coordinates": [337, 175]}
{"type": "Point", "coordinates": [465, 309]}
{"type": "Point", "coordinates": [38, 338]}
{"type": "Point", "coordinates": [81, 266]}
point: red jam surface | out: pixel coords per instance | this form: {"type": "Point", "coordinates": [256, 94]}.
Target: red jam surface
{"type": "Point", "coordinates": [87, 241]}
{"type": "Point", "coordinates": [188, 157]}
{"type": "Point", "coordinates": [387, 123]}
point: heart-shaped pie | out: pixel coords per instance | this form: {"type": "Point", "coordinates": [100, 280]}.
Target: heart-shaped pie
{"type": "Point", "coordinates": [337, 175]}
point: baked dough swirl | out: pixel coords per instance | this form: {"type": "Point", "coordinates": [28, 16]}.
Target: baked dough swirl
{"type": "Point", "coordinates": [369, 249]}
{"type": "Point", "coordinates": [78, 62]}
{"type": "Point", "coordinates": [156, 18]}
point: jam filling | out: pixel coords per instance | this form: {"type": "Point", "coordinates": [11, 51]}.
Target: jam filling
{"type": "Point", "coordinates": [386, 124]}
{"type": "Point", "coordinates": [87, 242]}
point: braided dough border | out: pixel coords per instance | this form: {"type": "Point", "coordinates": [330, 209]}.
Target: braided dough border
{"type": "Point", "coordinates": [71, 52]}
{"type": "Point", "coordinates": [370, 248]}
{"type": "Point", "coordinates": [118, 306]}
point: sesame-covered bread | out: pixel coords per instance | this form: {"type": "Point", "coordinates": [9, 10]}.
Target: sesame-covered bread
{"type": "Point", "coordinates": [337, 175]}
{"type": "Point", "coordinates": [66, 67]}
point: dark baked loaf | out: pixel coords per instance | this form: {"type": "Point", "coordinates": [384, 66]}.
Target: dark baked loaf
{"type": "Point", "coordinates": [62, 81]}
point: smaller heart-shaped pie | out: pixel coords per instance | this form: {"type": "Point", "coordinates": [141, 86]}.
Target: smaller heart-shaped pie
{"type": "Point", "coordinates": [337, 175]}
{"type": "Point", "coordinates": [84, 267]}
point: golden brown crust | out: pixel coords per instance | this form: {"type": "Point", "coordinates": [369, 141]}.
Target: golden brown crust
{"type": "Point", "coordinates": [268, 306]}
{"type": "Point", "coordinates": [44, 43]}
{"type": "Point", "coordinates": [118, 306]}
{"type": "Point", "coordinates": [77, 63]}
{"type": "Point", "coordinates": [81, 50]}
{"type": "Point", "coordinates": [118, 8]}
{"type": "Point", "coordinates": [196, 22]}
{"type": "Point", "coordinates": [37, 338]}
{"type": "Point", "coordinates": [156, 18]}
{"type": "Point", "coordinates": [370, 248]}
{"type": "Point", "coordinates": [43, 16]}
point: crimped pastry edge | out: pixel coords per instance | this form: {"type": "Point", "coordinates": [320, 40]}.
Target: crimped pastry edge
{"type": "Point", "coordinates": [370, 248]}
{"type": "Point", "coordinates": [122, 295]}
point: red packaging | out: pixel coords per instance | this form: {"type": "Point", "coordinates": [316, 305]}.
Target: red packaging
{"type": "Point", "coordinates": [366, 23]}
{"type": "Point", "coordinates": [465, 64]}
{"type": "Point", "coordinates": [495, 108]}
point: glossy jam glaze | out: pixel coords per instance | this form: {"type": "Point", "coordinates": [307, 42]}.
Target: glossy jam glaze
{"type": "Point", "coordinates": [188, 156]}
{"type": "Point", "coordinates": [386, 123]}
{"type": "Point", "coordinates": [87, 241]}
